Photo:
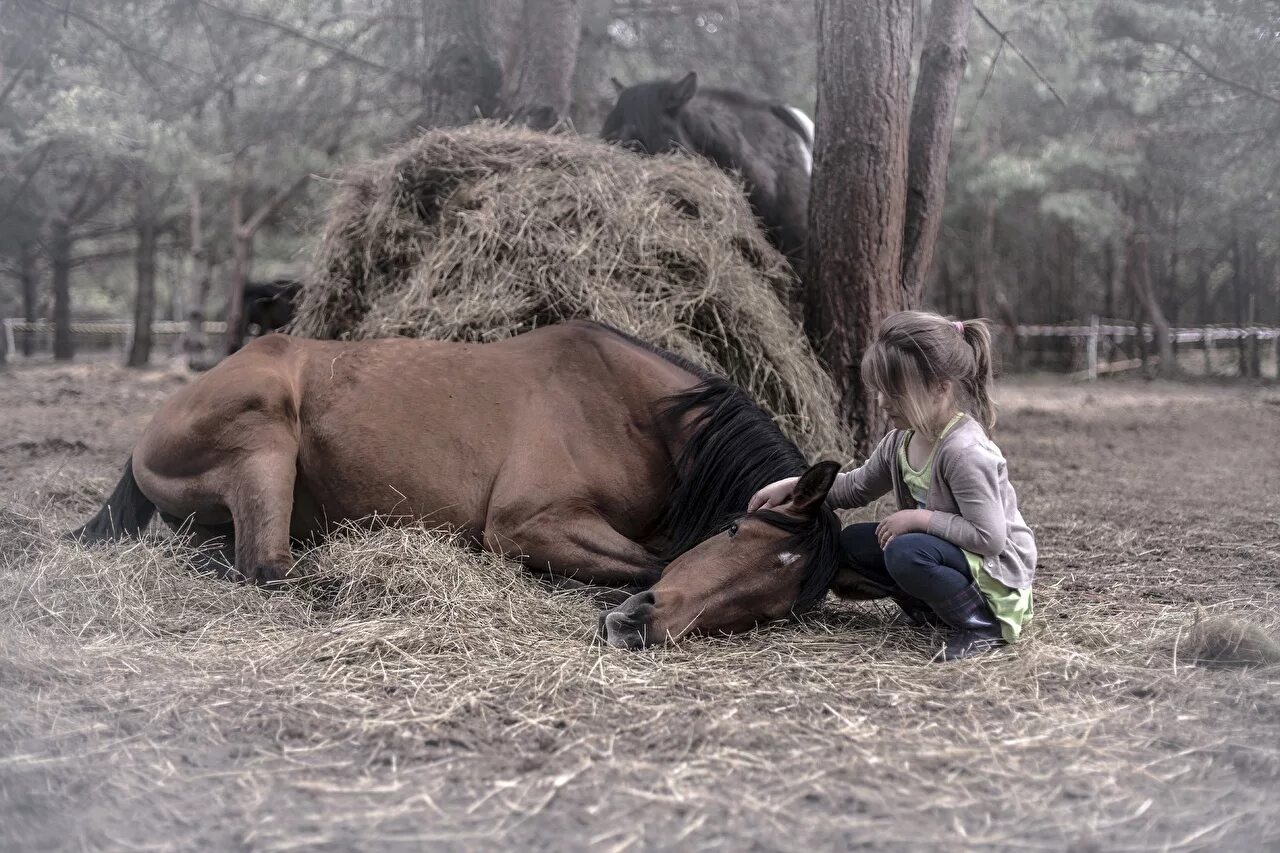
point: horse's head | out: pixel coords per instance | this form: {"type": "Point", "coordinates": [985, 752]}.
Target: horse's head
{"type": "Point", "coordinates": [646, 117]}
{"type": "Point", "coordinates": [760, 568]}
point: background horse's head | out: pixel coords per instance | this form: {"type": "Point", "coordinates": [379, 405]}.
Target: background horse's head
{"type": "Point", "coordinates": [760, 568]}
{"type": "Point", "coordinates": [647, 116]}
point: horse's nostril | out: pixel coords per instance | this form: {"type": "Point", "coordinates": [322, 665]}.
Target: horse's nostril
{"type": "Point", "coordinates": [622, 632]}
{"type": "Point", "coordinates": [627, 625]}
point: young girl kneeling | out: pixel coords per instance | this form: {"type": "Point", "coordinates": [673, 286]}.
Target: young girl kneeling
{"type": "Point", "coordinates": [957, 553]}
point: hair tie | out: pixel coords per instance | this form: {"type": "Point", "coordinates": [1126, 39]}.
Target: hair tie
{"type": "Point", "coordinates": [959, 324]}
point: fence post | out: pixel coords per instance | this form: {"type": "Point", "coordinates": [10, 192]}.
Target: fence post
{"type": "Point", "coordinates": [1254, 352]}
{"type": "Point", "coordinates": [1091, 354]}
{"type": "Point", "coordinates": [1208, 352]}
{"type": "Point", "coordinates": [9, 344]}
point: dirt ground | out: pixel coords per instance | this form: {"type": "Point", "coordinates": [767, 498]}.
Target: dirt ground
{"type": "Point", "coordinates": [144, 707]}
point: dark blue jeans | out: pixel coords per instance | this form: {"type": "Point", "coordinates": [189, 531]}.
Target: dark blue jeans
{"type": "Point", "coordinates": [922, 569]}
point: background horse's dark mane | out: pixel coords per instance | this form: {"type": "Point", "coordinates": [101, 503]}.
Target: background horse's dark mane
{"type": "Point", "coordinates": [734, 450]}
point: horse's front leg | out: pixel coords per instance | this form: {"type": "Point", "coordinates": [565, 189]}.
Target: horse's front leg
{"type": "Point", "coordinates": [576, 544]}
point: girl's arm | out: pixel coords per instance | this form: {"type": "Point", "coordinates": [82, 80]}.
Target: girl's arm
{"type": "Point", "coordinates": [974, 480]}
{"type": "Point", "coordinates": [872, 479]}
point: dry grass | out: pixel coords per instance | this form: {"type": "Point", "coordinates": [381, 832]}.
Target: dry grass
{"type": "Point", "coordinates": [414, 692]}
{"type": "Point", "coordinates": [483, 232]}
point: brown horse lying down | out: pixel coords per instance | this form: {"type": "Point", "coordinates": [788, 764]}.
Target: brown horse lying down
{"type": "Point", "coordinates": [582, 452]}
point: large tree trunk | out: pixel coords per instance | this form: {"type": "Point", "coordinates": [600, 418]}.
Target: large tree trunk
{"type": "Point", "coordinates": [541, 87]}
{"type": "Point", "coordinates": [194, 344]}
{"type": "Point", "coordinates": [1138, 269]}
{"type": "Point", "coordinates": [30, 289]}
{"type": "Point", "coordinates": [241, 257]}
{"type": "Point", "coordinates": [144, 299]}
{"type": "Point", "coordinates": [984, 253]}
{"type": "Point", "coordinates": [1109, 279]}
{"type": "Point", "coordinates": [857, 203]}
{"type": "Point", "coordinates": [464, 79]}
{"type": "Point", "coordinates": [243, 232]}
{"type": "Point", "coordinates": [60, 266]}
{"type": "Point", "coordinates": [1245, 279]}
{"type": "Point", "coordinates": [1173, 286]}
{"type": "Point", "coordinates": [591, 90]}
{"type": "Point", "coordinates": [932, 119]}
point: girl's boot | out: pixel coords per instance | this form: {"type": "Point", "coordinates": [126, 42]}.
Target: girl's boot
{"type": "Point", "coordinates": [976, 629]}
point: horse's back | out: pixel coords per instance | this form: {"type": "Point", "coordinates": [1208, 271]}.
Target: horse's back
{"type": "Point", "coordinates": [437, 429]}
{"type": "Point", "coordinates": [771, 146]}
{"type": "Point", "coordinates": [417, 429]}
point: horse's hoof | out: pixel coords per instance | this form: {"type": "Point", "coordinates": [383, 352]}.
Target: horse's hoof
{"type": "Point", "coordinates": [273, 577]}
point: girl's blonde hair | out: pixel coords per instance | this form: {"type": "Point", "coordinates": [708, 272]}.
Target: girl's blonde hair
{"type": "Point", "coordinates": [916, 351]}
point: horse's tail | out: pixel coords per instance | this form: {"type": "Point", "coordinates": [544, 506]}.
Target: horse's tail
{"type": "Point", "coordinates": [125, 514]}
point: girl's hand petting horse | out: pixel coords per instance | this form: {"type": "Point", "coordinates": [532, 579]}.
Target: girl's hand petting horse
{"type": "Point", "coordinates": [902, 521]}
{"type": "Point", "coordinates": [773, 495]}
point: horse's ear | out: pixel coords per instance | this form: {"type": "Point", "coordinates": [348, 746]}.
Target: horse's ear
{"type": "Point", "coordinates": [680, 92]}
{"type": "Point", "coordinates": [617, 84]}
{"type": "Point", "coordinates": [811, 491]}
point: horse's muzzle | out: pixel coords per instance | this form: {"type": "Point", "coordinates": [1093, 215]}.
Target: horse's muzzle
{"type": "Point", "coordinates": [628, 625]}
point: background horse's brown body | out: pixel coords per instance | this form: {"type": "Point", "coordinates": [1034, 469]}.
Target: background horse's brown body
{"type": "Point", "coordinates": [291, 436]}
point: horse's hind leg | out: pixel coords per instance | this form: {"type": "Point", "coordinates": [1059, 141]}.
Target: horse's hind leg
{"type": "Point", "coordinates": [260, 498]}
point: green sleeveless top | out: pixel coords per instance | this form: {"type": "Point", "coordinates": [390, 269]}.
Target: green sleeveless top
{"type": "Point", "coordinates": [1012, 607]}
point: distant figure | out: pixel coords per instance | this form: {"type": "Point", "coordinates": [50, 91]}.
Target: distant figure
{"type": "Point", "coordinates": [769, 144]}
{"type": "Point", "coordinates": [268, 306]}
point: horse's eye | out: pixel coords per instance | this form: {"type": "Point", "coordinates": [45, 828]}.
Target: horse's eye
{"type": "Point", "coordinates": [732, 530]}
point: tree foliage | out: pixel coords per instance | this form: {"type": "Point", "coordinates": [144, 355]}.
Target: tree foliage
{"type": "Point", "coordinates": [1080, 123]}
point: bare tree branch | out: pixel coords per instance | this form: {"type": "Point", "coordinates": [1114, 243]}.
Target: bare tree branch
{"type": "Point", "coordinates": [111, 36]}
{"type": "Point", "coordinates": [1212, 75]}
{"type": "Point", "coordinates": [313, 41]}
{"type": "Point", "coordinates": [1004, 39]}
{"type": "Point", "coordinates": [933, 112]}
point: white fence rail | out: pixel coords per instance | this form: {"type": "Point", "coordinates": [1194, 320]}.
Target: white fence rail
{"type": "Point", "coordinates": [1093, 334]}
{"type": "Point", "coordinates": [100, 334]}
{"type": "Point", "coordinates": [1091, 337]}
{"type": "Point", "coordinates": [1185, 336]}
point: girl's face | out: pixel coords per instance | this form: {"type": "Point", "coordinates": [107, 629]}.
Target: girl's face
{"type": "Point", "coordinates": [938, 405]}
{"type": "Point", "coordinates": [891, 409]}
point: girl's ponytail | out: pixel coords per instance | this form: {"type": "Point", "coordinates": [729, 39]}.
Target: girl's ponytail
{"type": "Point", "coordinates": [977, 334]}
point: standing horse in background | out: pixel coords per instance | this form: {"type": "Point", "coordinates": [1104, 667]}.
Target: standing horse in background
{"type": "Point", "coordinates": [268, 306]}
{"type": "Point", "coordinates": [769, 144]}
{"type": "Point", "coordinates": [585, 453]}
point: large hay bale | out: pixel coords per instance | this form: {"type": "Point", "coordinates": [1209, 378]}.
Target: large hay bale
{"type": "Point", "coordinates": [486, 231]}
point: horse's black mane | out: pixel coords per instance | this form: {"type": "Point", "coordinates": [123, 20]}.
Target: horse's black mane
{"type": "Point", "coordinates": [734, 450]}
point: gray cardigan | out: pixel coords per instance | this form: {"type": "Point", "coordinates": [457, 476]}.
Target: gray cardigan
{"type": "Point", "coordinates": [973, 505]}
